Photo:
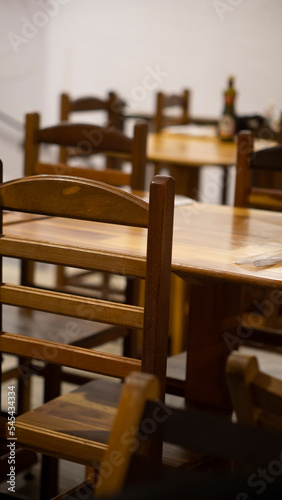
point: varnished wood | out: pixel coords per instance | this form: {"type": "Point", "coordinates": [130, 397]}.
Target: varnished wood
{"type": "Point", "coordinates": [90, 139]}
{"type": "Point", "coordinates": [193, 430]}
{"type": "Point", "coordinates": [61, 429]}
{"type": "Point", "coordinates": [208, 240]}
{"type": "Point", "coordinates": [131, 407]}
{"type": "Point", "coordinates": [193, 151]}
{"type": "Point", "coordinates": [256, 396]}
{"type": "Point", "coordinates": [249, 191]}
{"type": "Point", "coordinates": [57, 353]}
{"type": "Point", "coordinates": [254, 191]}
{"type": "Point", "coordinates": [27, 195]}
{"type": "Point", "coordinates": [113, 107]}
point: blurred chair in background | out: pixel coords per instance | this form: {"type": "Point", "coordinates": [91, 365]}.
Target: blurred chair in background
{"type": "Point", "coordinates": [112, 108]}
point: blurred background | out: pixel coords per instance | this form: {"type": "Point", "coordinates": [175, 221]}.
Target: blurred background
{"type": "Point", "coordinates": [134, 48]}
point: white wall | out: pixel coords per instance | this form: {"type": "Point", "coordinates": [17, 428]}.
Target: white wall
{"type": "Point", "coordinates": [89, 46]}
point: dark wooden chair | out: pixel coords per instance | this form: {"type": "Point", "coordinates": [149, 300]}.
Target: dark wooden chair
{"type": "Point", "coordinates": [126, 472]}
{"type": "Point", "coordinates": [116, 143]}
{"type": "Point", "coordinates": [253, 189]}
{"type": "Point", "coordinates": [256, 396]}
{"type": "Point", "coordinates": [249, 192]}
{"type": "Point", "coordinates": [90, 139]}
{"type": "Point", "coordinates": [112, 108]}
{"type": "Point", "coordinates": [172, 102]}
{"type": "Point", "coordinates": [94, 140]}
{"type": "Point", "coordinates": [76, 426]}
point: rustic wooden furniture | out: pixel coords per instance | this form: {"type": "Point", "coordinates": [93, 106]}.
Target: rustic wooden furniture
{"type": "Point", "coordinates": [208, 241]}
{"type": "Point", "coordinates": [96, 139]}
{"type": "Point", "coordinates": [171, 102]}
{"type": "Point", "coordinates": [141, 416]}
{"type": "Point", "coordinates": [249, 163]}
{"type": "Point", "coordinates": [112, 107]}
{"type": "Point", "coordinates": [61, 427]}
{"type": "Point", "coordinates": [256, 396]}
{"type": "Point", "coordinates": [256, 192]}
{"type": "Point", "coordinates": [87, 138]}
{"type": "Point", "coordinates": [185, 153]}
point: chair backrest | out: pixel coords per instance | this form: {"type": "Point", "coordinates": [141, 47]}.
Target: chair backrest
{"type": "Point", "coordinates": [251, 191]}
{"type": "Point", "coordinates": [167, 102]}
{"type": "Point", "coordinates": [142, 417]}
{"type": "Point", "coordinates": [88, 139]}
{"type": "Point", "coordinates": [87, 200]}
{"type": "Point", "coordinates": [256, 396]}
{"type": "Point", "coordinates": [113, 106]}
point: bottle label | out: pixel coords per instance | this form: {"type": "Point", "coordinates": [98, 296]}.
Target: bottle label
{"type": "Point", "coordinates": [227, 127]}
{"type": "Point", "coordinates": [229, 100]}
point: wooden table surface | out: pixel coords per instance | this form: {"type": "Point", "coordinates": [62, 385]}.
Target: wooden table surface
{"type": "Point", "coordinates": [190, 151]}
{"type": "Point", "coordinates": [208, 239]}
{"type": "Point", "coordinates": [185, 154]}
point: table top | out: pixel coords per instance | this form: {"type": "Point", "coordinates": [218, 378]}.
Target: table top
{"type": "Point", "coordinates": [208, 240]}
{"type": "Point", "coordinates": [193, 151]}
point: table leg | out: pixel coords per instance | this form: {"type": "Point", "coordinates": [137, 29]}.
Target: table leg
{"type": "Point", "coordinates": [214, 310]}
{"type": "Point", "coordinates": [186, 178]}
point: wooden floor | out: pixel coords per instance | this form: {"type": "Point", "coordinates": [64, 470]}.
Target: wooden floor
{"type": "Point", "coordinates": [70, 473]}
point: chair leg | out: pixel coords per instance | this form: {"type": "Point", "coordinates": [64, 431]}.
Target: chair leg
{"type": "Point", "coordinates": [24, 385]}
{"type": "Point", "coordinates": [49, 477]}
{"type": "Point", "coordinates": [52, 382]}
{"type": "Point", "coordinates": [50, 465]}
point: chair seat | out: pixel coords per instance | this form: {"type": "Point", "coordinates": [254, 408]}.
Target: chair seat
{"type": "Point", "coordinates": [82, 417]}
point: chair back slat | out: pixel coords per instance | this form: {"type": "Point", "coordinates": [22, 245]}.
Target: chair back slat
{"type": "Point", "coordinates": [109, 176]}
{"type": "Point", "coordinates": [72, 256]}
{"type": "Point", "coordinates": [82, 307]}
{"type": "Point", "coordinates": [85, 140]}
{"type": "Point", "coordinates": [71, 356]}
{"type": "Point", "coordinates": [69, 197]}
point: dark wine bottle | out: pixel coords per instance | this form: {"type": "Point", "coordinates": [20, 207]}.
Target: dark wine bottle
{"type": "Point", "coordinates": [227, 123]}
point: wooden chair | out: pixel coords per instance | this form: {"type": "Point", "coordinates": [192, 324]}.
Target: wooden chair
{"type": "Point", "coordinates": [251, 191]}
{"type": "Point", "coordinates": [172, 102]}
{"type": "Point", "coordinates": [249, 164]}
{"type": "Point", "coordinates": [116, 143]}
{"type": "Point", "coordinates": [178, 104]}
{"type": "Point", "coordinates": [112, 107]}
{"type": "Point", "coordinates": [94, 140]}
{"type": "Point", "coordinates": [76, 426]}
{"type": "Point", "coordinates": [141, 417]}
{"type": "Point", "coordinates": [88, 139]}
{"type": "Point", "coordinates": [256, 396]}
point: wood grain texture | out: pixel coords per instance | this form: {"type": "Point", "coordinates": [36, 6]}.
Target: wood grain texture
{"type": "Point", "coordinates": [76, 426]}
{"type": "Point", "coordinates": [184, 150]}
{"type": "Point", "coordinates": [207, 240]}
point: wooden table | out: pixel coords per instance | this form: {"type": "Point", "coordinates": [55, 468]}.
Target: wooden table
{"type": "Point", "coordinates": [208, 239]}
{"type": "Point", "coordinates": [185, 155]}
